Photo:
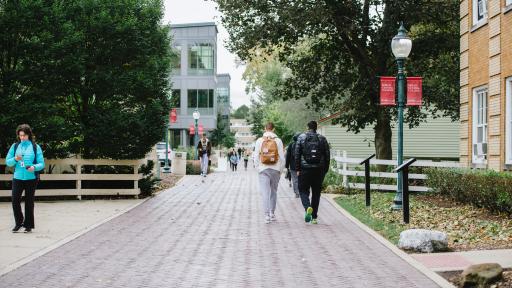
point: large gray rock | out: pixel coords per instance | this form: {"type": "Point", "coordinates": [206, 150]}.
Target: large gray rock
{"type": "Point", "coordinates": [422, 240]}
{"type": "Point", "coordinates": [481, 275]}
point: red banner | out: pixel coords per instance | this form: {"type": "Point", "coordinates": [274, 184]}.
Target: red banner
{"type": "Point", "coordinates": [387, 91]}
{"type": "Point", "coordinates": [200, 129]}
{"type": "Point", "coordinates": [192, 129]}
{"type": "Point", "coordinates": [173, 115]}
{"type": "Point", "coordinates": [414, 91]}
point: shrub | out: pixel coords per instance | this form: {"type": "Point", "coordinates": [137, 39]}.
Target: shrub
{"type": "Point", "coordinates": [482, 188]}
{"type": "Point", "coordinates": [148, 183]}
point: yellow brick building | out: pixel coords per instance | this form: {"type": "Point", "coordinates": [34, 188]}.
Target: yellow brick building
{"type": "Point", "coordinates": [486, 84]}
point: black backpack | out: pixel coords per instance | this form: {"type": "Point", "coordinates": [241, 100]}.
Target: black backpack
{"type": "Point", "coordinates": [37, 173]}
{"type": "Point", "coordinates": [312, 149]}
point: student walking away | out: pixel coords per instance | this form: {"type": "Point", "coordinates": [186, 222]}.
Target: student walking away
{"type": "Point", "coordinates": [312, 158]}
{"type": "Point", "coordinates": [269, 160]}
{"type": "Point", "coordinates": [234, 161]}
{"type": "Point", "coordinates": [204, 149]}
{"type": "Point", "coordinates": [239, 153]}
{"type": "Point", "coordinates": [290, 165]}
{"type": "Point", "coordinates": [27, 158]}
{"type": "Point", "coordinates": [229, 159]}
{"type": "Point", "coordinates": [246, 159]}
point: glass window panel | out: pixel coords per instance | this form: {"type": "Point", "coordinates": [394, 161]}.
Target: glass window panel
{"type": "Point", "coordinates": [210, 98]}
{"type": "Point", "coordinates": [479, 134]}
{"type": "Point", "coordinates": [176, 60]}
{"type": "Point", "coordinates": [192, 98]}
{"type": "Point", "coordinates": [175, 98]}
{"type": "Point", "coordinates": [203, 98]}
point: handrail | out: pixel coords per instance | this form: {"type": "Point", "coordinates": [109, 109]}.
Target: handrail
{"type": "Point", "coordinates": [366, 163]}
{"type": "Point", "coordinates": [404, 169]}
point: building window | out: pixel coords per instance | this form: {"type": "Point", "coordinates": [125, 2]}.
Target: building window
{"type": "Point", "coordinates": [201, 59]}
{"type": "Point", "coordinates": [175, 98]}
{"type": "Point", "coordinates": [479, 11]}
{"type": "Point", "coordinates": [176, 60]}
{"type": "Point", "coordinates": [479, 125]}
{"type": "Point", "coordinates": [508, 139]}
{"type": "Point", "coordinates": [202, 98]}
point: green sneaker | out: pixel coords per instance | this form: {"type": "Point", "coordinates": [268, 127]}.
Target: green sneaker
{"type": "Point", "coordinates": [314, 221]}
{"type": "Point", "coordinates": [308, 216]}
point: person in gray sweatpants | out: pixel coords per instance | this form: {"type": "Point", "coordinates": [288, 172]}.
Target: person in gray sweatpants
{"type": "Point", "coordinates": [269, 160]}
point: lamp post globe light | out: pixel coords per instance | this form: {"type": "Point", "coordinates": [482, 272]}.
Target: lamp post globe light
{"type": "Point", "coordinates": [401, 46]}
{"type": "Point", "coordinates": [196, 116]}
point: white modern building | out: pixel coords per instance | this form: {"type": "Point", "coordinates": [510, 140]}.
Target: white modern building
{"type": "Point", "coordinates": [195, 83]}
{"type": "Point", "coordinates": [243, 135]}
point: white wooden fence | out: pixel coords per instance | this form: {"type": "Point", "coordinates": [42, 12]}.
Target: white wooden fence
{"type": "Point", "coordinates": [64, 172]}
{"type": "Point", "coordinates": [347, 167]}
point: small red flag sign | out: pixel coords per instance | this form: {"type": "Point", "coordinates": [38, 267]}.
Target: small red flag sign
{"type": "Point", "coordinates": [173, 115]}
{"type": "Point", "coordinates": [192, 130]}
{"type": "Point", "coordinates": [387, 91]}
{"type": "Point", "coordinates": [414, 91]}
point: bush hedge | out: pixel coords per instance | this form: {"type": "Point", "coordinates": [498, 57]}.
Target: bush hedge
{"type": "Point", "coordinates": [482, 188]}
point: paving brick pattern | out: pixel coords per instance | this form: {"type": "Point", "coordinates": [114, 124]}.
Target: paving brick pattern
{"type": "Point", "coordinates": [212, 234]}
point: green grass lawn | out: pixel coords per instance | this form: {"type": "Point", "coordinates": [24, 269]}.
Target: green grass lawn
{"type": "Point", "coordinates": [381, 203]}
{"type": "Point", "coordinates": [468, 227]}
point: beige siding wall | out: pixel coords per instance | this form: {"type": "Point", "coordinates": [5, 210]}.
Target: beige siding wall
{"type": "Point", "coordinates": [435, 139]}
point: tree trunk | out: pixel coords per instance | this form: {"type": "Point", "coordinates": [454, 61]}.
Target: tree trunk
{"type": "Point", "coordinates": [383, 149]}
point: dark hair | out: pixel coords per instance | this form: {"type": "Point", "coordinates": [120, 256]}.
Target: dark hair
{"type": "Point", "coordinates": [27, 130]}
{"type": "Point", "coordinates": [269, 126]}
{"type": "Point", "coordinates": [312, 125]}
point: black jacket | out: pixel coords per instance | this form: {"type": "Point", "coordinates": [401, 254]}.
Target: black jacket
{"type": "Point", "coordinates": [301, 164]}
{"type": "Point", "coordinates": [290, 159]}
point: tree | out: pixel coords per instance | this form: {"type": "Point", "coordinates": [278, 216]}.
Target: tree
{"type": "Point", "coordinates": [336, 50]}
{"type": "Point", "coordinates": [222, 136]}
{"type": "Point", "coordinates": [241, 112]}
{"type": "Point", "coordinates": [91, 76]}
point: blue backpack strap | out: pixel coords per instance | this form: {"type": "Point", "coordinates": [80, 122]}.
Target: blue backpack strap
{"type": "Point", "coordinates": [16, 147]}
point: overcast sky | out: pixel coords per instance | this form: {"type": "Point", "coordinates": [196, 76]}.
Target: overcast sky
{"type": "Point", "coordinates": [190, 11]}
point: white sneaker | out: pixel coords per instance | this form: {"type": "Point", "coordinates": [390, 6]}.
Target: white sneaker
{"type": "Point", "coordinates": [267, 219]}
{"type": "Point", "coordinates": [272, 217]}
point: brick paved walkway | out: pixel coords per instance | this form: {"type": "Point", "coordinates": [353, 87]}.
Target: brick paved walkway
{"type": "Point", "coordinates": [213, 235]}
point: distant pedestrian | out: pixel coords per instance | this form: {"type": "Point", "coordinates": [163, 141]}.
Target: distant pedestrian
{"type": "Point", "coordinates": [27, 158]}
{"type": "Point", "coordinates": [312, 159]}
{"type": "Point", "coordinates": [246, 159]}
{"type": "Point", "coordinates": [269, 159]}
{"type": "Point", "coordinates": [239, 153]}
{"type": "Point", "coordinates": [290, 165]}
{"type": "Point", "coordinates": [204, 149]}
{"type": "Point", "coordinates": [234, 161]}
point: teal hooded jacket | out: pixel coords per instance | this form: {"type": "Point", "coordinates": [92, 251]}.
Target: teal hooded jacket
{"type": "Point", "coordinates": [27, 151]}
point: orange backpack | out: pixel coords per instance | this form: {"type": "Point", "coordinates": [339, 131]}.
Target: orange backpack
{"type": "Point", "coordinates": [268, 152]}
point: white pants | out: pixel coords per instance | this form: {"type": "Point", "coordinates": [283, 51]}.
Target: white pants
{"type": "Point", "coordinates": [204, 164]}
{"type": "Point", "coordinates": [269, 181]}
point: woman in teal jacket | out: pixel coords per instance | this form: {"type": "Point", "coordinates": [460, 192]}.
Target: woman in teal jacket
{"type": "Point", "coordinates": [26, 164]}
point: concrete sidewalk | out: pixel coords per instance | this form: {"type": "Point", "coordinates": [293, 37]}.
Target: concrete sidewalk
{"type": "Point", "coordinates": [55, 221]}
{"type": "Point", "coordinates": [455, 261]}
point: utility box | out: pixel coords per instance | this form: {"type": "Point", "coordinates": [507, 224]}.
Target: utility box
{"type": "Point", "coordinates": [179, 163]}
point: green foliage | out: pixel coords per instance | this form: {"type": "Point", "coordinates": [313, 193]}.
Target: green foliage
{"type": "Point", "coordinates": [335, 57]}
{"type": "Point", "coordinates": [241, 112]}
{"type": "Point", "coordinates": [222, 136]}
{"type": "Point", "coordinates": [193, 167]}
{"type": "Point", "coordinates": [149, 182]}
{"type": "Point", "coordinates": [91, 77]}
{"type": "Point", "coordinates": [482, 188]}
